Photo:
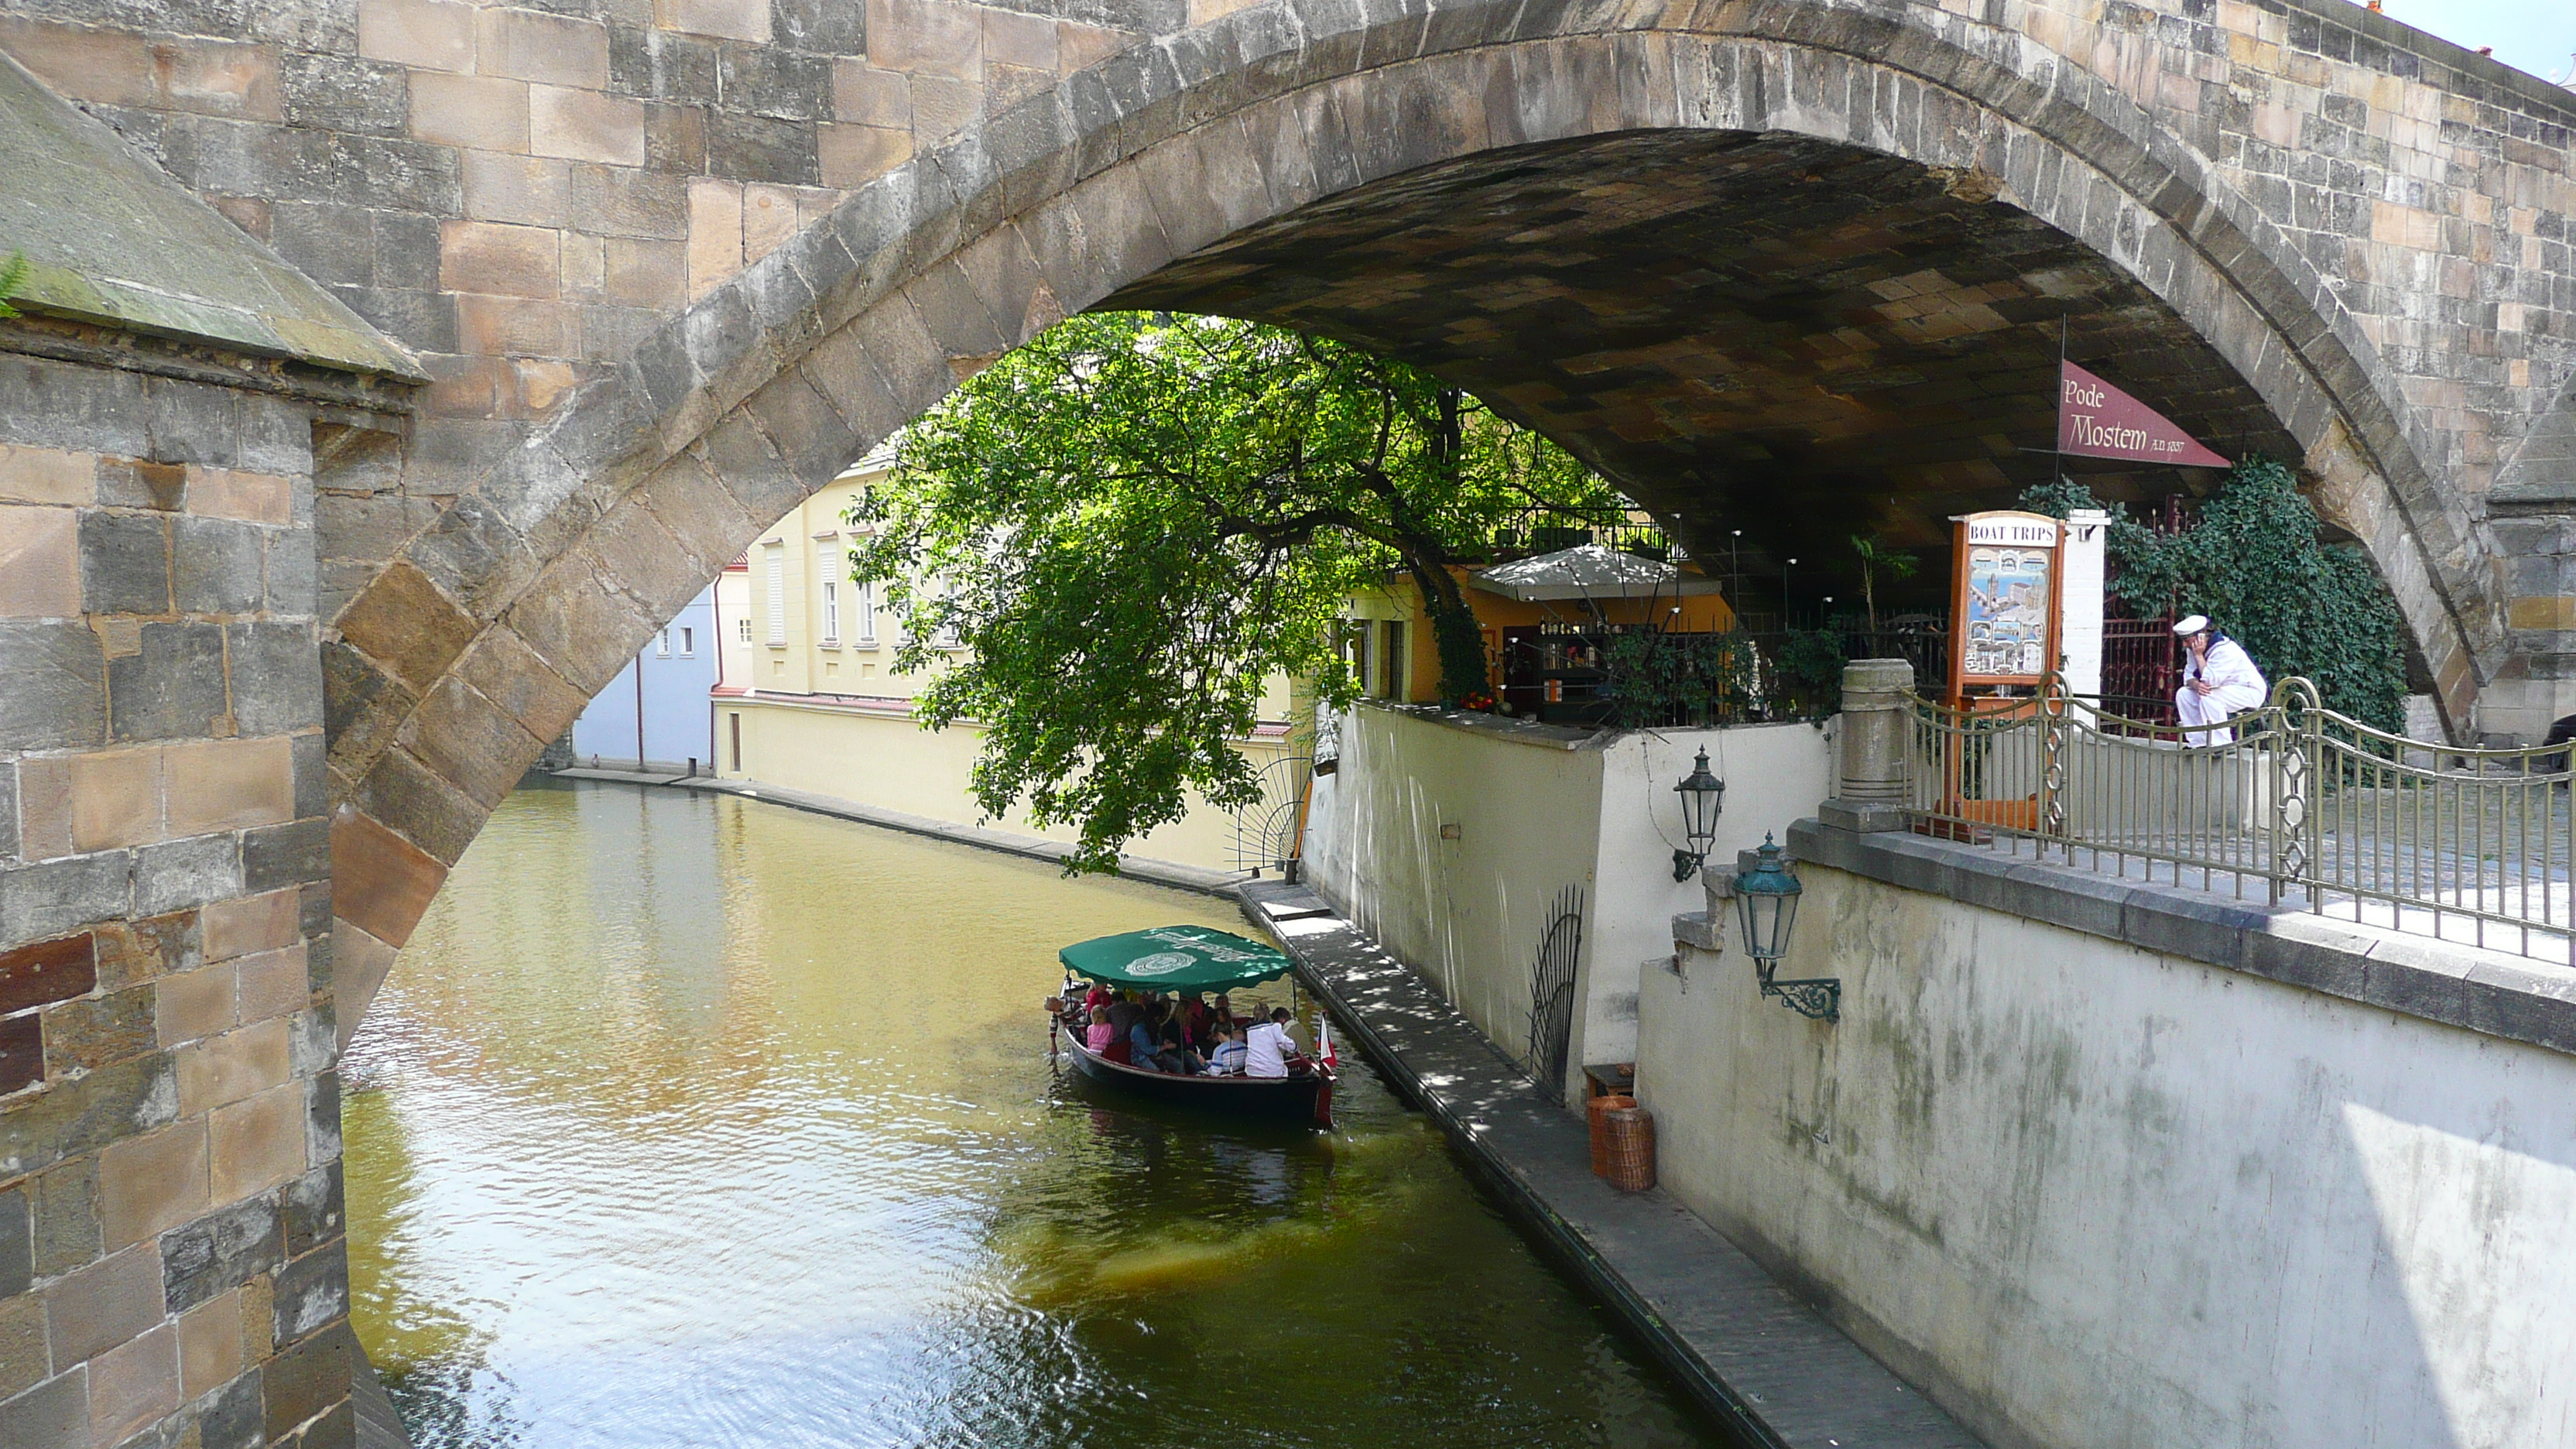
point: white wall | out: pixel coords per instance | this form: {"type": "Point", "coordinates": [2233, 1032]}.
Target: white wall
{"type": "Point", "coordinates": [2118, 1199]}
{"type": "Point", "coordinates": [1536, 811]}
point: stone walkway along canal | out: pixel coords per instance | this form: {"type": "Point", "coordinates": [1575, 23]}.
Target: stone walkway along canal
{"type": "Point", "coordinates": [688, 1120]}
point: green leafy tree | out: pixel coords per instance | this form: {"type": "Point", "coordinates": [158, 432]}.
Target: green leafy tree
{"type": "Point", "coordinates": [1136, 519]}
{"type": "Point", "coordinates": [2254, 563]}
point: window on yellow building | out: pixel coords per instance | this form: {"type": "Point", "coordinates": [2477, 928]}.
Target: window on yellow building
{"type": "Point", "coordinates": [777, 594]}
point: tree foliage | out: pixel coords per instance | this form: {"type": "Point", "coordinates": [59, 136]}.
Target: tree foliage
{"type": "Point", "coordinates": [1136, 519]}
{"type": "Point", "coordinates": [2254, 563]}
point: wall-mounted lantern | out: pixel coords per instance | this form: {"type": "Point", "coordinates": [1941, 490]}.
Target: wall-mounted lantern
{"type": "Point", "coordinates": [1766, 903]}
{"type": "Point", "coordinates": [1703, 796]}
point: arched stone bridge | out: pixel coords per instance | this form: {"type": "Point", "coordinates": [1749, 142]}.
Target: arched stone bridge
{"type": "Point", "coordinates": [1794, 267]}
{"type": "Point", "coordinates": [1777, 265]}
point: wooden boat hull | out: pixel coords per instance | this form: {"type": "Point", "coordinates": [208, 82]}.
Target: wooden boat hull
{"type": "Point", "coordinates": [1271, 1099]}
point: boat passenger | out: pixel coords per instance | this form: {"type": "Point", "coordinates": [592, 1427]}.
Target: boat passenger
{"type": "Point", "coordinates": [1269, 1048]}
{"type": "Point", "coordinates": [1099, 995]}
{"type": "Point", "coordinates": [1124, 1012]}
{"type": "Point", "coordinates": [1227, 1059]}
{"type": "Point", "coordinates": [1142, 1050]}
{"type": "Point", "coordinates": [1177, 1055]}
{"type": "Point", "coordinates": [1100, 1033]}
{"type": "Point", "coordinates": [1196, 1019]}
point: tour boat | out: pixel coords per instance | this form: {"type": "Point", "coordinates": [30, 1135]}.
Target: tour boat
{"type": "Point", "coordinates": [1186, 959]}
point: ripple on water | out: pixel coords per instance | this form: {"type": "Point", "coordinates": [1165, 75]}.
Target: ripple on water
{"type": "Point", "coordinates": [689, 1121]}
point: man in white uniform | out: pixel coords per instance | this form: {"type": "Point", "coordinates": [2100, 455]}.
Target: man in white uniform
{"type": "Point", "coordinates": [1267, 1050]}
{"type": "Point", "coordinates": [2218, 680]}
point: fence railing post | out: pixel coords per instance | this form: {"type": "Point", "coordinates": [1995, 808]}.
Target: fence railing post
{"type": "Point", "coordinates": [1870, 763]}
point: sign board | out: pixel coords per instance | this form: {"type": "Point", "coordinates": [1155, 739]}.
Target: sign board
{"type": "Point", "coordinates": [2005, 586]}
{"type": "Point", "coordinates": [2097, 420]}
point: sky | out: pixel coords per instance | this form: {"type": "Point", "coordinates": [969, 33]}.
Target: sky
{"type": "Point", "coordinates": [2536, 35]}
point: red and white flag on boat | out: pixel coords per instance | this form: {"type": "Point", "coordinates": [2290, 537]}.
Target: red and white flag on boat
{"type": "Point", "coordinates": [1324, 1040]}
{"type": "Point", "coordinates": [2097, 420]}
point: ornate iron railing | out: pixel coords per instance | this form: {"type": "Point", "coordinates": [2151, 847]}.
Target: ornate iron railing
{"type": "Point", "coordinates": [2302, 807]}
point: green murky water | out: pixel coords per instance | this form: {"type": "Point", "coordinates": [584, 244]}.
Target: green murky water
{"type": "Point", "coordinates": [692, 1122]}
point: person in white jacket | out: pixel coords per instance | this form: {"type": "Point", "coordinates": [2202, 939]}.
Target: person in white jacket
{"type": "Point", "coordinates": [2218, 680]}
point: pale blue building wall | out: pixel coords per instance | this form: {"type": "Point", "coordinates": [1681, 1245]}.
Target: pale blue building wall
{"type": "Point", "coordinates": [678, 667]}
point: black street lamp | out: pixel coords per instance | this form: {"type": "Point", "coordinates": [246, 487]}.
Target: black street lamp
{"type": "Point", "coordinates": [1703, 796]}
{"type": "Point", "coordinates": [1766, 903]}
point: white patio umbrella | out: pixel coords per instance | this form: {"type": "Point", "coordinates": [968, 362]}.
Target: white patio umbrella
{"type": "Point", "coordinates": [1589, 571]}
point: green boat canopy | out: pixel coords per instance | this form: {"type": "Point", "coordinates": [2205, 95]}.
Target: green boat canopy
{"type": "Point", "coordinates": [1175, 958]}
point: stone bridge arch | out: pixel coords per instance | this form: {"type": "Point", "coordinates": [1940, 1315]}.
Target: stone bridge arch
{"type": "Point", "coordinates": [479, 642]}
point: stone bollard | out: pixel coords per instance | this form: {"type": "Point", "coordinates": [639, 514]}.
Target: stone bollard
{"type": "Point", "coordinates": [1869, 776]}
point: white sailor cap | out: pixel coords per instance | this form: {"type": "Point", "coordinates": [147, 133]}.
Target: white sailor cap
{"type": "Point", "coordinates": [2191, 624]}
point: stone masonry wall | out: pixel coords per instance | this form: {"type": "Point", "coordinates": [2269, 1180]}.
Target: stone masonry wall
{"type": "Point", "coordinates": [172, 1263]}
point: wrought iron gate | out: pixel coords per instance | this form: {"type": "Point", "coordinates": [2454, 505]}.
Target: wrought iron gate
{"type": "Point", "coordinates": [1551, 1018]}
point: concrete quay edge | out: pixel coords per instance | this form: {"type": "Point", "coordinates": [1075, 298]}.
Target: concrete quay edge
{"type": "Point", "coordinates": [2488, 992]}
{"type": "Point", "coordinates": [1765, 1365]}
{"type": "Point", "coordinates": [1170, 874]}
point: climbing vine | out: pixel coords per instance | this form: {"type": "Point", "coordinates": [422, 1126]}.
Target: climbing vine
{"type": "Point", "coordinates": [2254, 563]}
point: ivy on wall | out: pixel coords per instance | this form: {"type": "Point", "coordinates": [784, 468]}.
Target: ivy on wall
{"type": "Point", "coordinates": [2254, 563]}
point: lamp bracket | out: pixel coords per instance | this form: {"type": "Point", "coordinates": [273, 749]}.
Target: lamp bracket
{"type": "Point", "coordinates": [1683, 864]}
{"type": "Point", "coordinates": [1817, 998]}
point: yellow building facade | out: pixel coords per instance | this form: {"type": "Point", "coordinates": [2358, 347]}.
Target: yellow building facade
{"type": "Point", "coordinates": [807, 697]}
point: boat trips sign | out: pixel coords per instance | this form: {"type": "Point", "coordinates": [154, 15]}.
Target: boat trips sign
{"type": "Point", "coordinates": [2003, 608]}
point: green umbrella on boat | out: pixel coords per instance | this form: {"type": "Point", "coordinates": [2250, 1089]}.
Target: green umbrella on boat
{"type": "Point", "coordinates": [1175, 958]}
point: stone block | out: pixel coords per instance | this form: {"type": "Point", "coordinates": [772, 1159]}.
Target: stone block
{"type": "Point", "coordinates": [125, 564]}
{"type": "Point", "coordinates": [218, 1071]}
{"type": "Point", "coordinates": [211, 1344]}
{"type": "Point", "coordinates": [283, 855]}
{"type": "Point", "coordinates": [470, 741]}
{"type": "Point", "coordinates": [152, 1183]}
{"type": "Point", "coordinates": [233, 493]}
{"type": "Point", "coordinates": [644, 273]}
{"type": "Point", "coordinates": [216, 1253]}
{"type": "Point", "coordinates": [265, 922]}
{"type": "Point", "coordinates": [23, 1361]}
{"type": "Point", "coordinates": [232, 1418]}
{"type": "Point", "coordinates": [403, 622]}
{"type": "Point", "coordinates": [312, 1291]}
{"type": "Point", "coordinates": [258, 1142]}
{"type": "Point", "coordinates": [133, 1385]}
{"type": "Point", "coordinates": [381, 883]}
{"type": "Point", "coordinates": [431, 35]}
{"type": "Point", "coordinates": [494, 257]}
{"type": "Point", "coordinates": [17, 1245]}
{"type": "Point", "coordinates": [171, 687]}
{"type": "Point", "coordinates": [96, 801]}
{"type": "Point", "coordinates": [864, 94]}
{"type": "Point", "coordinates": [620, 202]}
{"type": "Point", "coordinates": [577, 626]}
{"type": "Point", "coordinates": [22, 1053]}
{"type": "Point", "coordinates": [146, 948]}
{"type": "Point", "coordinates": [47, 475]}
{"type": "Point", "coordinates": [532, 190]}
{"type": "Point", "coordinates": [192, 423]}
{"type": "Point", "coordinates": [851, 155]}
{"type": "Point", "coordinates": [73, 408]}
{"type": "Point", "coordinates": [54, 896]}
{"type": "Point", "coordinates": [184, 873]}
{"type": "Point", "coordinates": [56, 697]}
{"type": "Point", "coordinates": [276, 676]}
{"type": "Point", "coordinates": [274, 983]}
{"type": "Point", "coordinates": [230, 785]}
{"type": "Point", "coordinates": [94, 1031]}
{"type": "Point", "coordinates": [506, 671]}
{"type": "Point", "coordinates": [40, 563]}
{"type": "Point", "coordinates": [307, 1380]}
{"type": "Point", "coordinates": [337, 93]}
{"type": "Point", "coordinates": [581, 125]}
{"type": "Point", "coordinates": [104, 1304]}
{"type": "Point", "coordinates": [734, 19]}
{"type": "Point", "coordinates": [498, 326]}
{"type": "Point", "coordinates": [787, 84]}
{"type": "Point", "coordinates": [932, 36]}
{"type": "Point", "coordinates": [762, 148]}
{"type": "Point", "coordinates": [195, 1004]}
{"type": "Point", "coordinates": [53, 1415]}
{"type": "Point", "coordinates": [48, 971]}
{"type": "Point", "coordinates": [420, 804]}
{"type": "Point", "coordinates": [217, 566]}
{"type": "Point", "coordinates": [558, 50]}
{"type": "Point", "coordinates": [485, 113]}
{"type": "Point", "coordinates": [313, 1209]}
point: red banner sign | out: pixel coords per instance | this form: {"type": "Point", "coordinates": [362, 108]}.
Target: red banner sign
{"type": "Point", "coordinates": [2097, 420]}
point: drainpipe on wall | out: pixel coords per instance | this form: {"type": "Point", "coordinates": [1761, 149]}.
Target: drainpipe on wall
{"type": "Point", "coordinates": [639, 712]}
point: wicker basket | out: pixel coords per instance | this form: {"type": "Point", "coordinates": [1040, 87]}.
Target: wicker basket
{"type": "Point", "coordinates": [1630, 1132]}
{"type": "Point", "coordinates": [1592, 1111]}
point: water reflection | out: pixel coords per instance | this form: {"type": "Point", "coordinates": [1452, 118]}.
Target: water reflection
{"type": "Point", "coordinates": [686, 1121]}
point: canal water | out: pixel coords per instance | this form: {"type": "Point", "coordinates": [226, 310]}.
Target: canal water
{"type": "Point", "coordinates": [691, 1121]}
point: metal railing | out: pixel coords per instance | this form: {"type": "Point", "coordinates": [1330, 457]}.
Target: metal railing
{"type": "Point", "coordinates": [2302, 807]}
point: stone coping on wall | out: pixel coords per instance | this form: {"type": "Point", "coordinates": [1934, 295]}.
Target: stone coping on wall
{"type": "Point", "coordinates": [2477, 990]}
{"type": "Point", "coordinates": [1513, 730]}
